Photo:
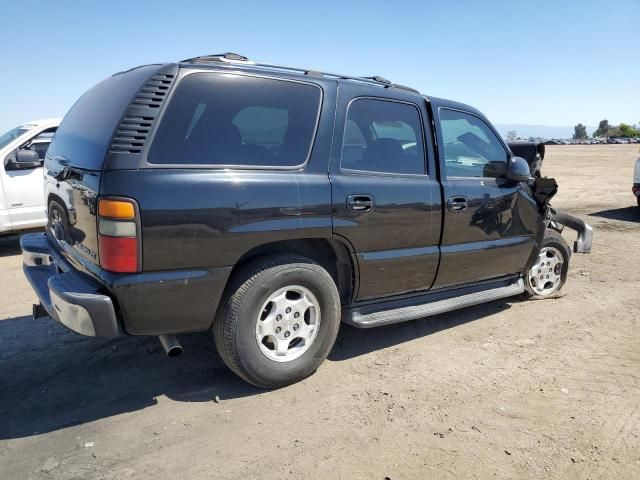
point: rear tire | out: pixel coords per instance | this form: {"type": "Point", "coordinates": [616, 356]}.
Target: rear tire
{"type": "Point", "coordinates": [278, 321]}
{"type": "Point", "coordinates": [548, 274]}
{"type": "Point", "coordinates": [58, 221]}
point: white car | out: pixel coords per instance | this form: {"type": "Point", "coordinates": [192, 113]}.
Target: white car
{"type": "Point", "coordinates": [22, 151]}
{"type": "Point", "coordinates": [636, 181]}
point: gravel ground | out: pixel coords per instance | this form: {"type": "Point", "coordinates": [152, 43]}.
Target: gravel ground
{"type": "Point", "coordinates": [546, 389]}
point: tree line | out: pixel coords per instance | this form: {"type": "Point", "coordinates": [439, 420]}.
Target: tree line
{"type": "Point", "coordinates": [608, 131]}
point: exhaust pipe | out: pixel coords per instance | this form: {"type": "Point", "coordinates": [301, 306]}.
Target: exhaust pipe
{"type": "Point", "coordinates": [171, 345]}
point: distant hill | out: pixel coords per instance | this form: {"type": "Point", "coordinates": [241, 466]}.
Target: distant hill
{"type": "Point", "coordinates": [543, 131]}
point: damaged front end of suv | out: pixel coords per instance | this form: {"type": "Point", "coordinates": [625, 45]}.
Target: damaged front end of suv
{"type": "Point", "coordinates": [545, 189]}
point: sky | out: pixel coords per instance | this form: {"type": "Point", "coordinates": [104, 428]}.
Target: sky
{"type": "Point", "coordinates": [537, 62]}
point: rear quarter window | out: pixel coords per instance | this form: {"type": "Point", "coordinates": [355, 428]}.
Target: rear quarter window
{"type": "Point", "coordinates": [237, 120]}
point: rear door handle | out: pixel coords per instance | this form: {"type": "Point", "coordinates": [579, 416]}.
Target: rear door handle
{"type": "Point", "coordinates": [457, 203]}
{"type": "Point", "coordinates": [360, 203]}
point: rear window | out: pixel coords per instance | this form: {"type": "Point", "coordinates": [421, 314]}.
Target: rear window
{"type": "Point", "coordinates": [383, 136]}
{"type": "Point", "coordinates": [86, 130]}
{"type": "Point", "coordinates": [227, 119]}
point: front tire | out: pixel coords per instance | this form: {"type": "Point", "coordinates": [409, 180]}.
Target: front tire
{"type": "Point", "coordinates": [278, 321]}
{"type": "Point", "coordinates": [546, 277]}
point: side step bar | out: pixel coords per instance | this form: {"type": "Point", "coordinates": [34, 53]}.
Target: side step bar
{"type": "Point", "coordinates": [375, 315]}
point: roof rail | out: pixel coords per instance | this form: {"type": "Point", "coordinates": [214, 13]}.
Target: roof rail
{"type": "Point", "coordinates": [230, 57]}
{"type": "Point", "coordinates": [390, 84]}
{"type": "Point", "coordinates": [379, 79]}
{"type": "Point", "coordinates": [219, 57]}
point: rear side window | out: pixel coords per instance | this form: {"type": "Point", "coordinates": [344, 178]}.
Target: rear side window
{"type": "Point", "coordinates": [471, 149]}
{"type": "Point", "coordinates": [383, 136]}
{"type": "Point", "coordinates": [227, 119]}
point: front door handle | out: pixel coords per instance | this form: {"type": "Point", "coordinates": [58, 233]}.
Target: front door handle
{"type": "Point", "coordinates": [457, 203]}
{"type": "Point", "coordinates": [360, 203]}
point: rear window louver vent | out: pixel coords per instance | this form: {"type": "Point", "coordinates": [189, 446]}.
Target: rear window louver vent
{"type": "Point", "coordinates": [135, 126]}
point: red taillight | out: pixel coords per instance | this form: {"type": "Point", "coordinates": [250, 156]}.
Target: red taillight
{"type": "Point", "coordinates": [119, 254]}
{"type": "Point", "coordinates": [118, 235]}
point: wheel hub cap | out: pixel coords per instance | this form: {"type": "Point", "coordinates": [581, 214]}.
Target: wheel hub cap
{"type": "Point", "coordinates": [545, 277]}
{"type": "Point", "coordinates": [288, 323]}
{"type": "Point", "coordinates": [55, 218]}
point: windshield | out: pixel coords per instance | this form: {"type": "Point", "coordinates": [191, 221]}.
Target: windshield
{"type": "Point", "coordinates": [11, 135]}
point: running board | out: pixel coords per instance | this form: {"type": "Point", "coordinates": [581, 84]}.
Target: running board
{"type": "Point", "coordinates": [375, 315]}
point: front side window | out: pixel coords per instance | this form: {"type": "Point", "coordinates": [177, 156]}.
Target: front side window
{"type": "Point", "coordinates": [11, 135]}
{"type": "Point", "coordinates": [470, 147]}
{"type": "Point", "coordinates": [41, 142]}
{"type": "Point", "coordinates": [383, 136]}
{"type": "Point", "coordinates": [227, 119]}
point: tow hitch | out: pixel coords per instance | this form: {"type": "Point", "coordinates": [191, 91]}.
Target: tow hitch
{"type": "Point", "coordinates": [585, 232]}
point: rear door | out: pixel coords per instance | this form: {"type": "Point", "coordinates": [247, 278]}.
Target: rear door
{"type": "Point", "coordinates": [386, 203]}
{"type": "Point", "coordinates": [491, 225]}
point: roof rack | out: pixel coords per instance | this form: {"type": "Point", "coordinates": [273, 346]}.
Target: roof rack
{"type": "Point", "coordinates": [226, 57]}
{"type": "Point", "coordinates": [230, 57]}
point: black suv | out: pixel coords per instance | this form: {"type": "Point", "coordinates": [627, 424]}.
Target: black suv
{"type": "Point", "coordinates": [268, 203]}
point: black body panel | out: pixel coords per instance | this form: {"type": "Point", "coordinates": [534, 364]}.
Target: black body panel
{"type": "Point", "coordinates": [489, 238]}
{"type": "Point", "coordinates": [397, 243]}
{"type": "Point", "coordinates": [78, 195]}
{"type": "Point", "coordinates": [207, 218]}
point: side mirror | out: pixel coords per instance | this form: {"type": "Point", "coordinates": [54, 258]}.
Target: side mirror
{"type": "Point", "coordinates": [22, 160]}
{"type": "Point", "coordinates": [518, 170]}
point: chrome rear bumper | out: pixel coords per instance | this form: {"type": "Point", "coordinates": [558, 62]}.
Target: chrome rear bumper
{"type": "Point", "coordinates": [69, 296]}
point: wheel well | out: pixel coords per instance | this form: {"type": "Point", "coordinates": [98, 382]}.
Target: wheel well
{"type": "Point", "coordinates": [332, 255]}
{"type": "Point", "coordinates": [58, 200]}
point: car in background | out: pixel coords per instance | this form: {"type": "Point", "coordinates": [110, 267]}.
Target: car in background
{"type": "Point", "coordinates": [22, 152]}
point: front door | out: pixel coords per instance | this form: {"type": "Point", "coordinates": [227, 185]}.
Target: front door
{"type": "Point", "coordinates": [491, 225]}
{"type": "Point", "coordinates": [385, 204]}
{"type": "Point", "coordinates": [24, 188]}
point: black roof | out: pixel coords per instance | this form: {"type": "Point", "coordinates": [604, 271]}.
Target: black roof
{"type": "Point", "coordinates": [442, 102]}
{"type": "Point", "coordinates": [240, 60]}
{"type": "Point", "coordinates": [236, 60]}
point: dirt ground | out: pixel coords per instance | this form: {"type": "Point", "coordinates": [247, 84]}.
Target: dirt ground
{"type": "Point", "coordinates": [546, 389]}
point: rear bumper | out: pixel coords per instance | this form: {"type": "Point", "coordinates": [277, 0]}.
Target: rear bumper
{"type": "Point", "coordinates": [103, 304]}
{"type": "Point", "coordinates": [69, 297]}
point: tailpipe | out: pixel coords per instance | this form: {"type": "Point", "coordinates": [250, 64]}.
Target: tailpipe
{"type": "Point", "coordinates": [171, 345]}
